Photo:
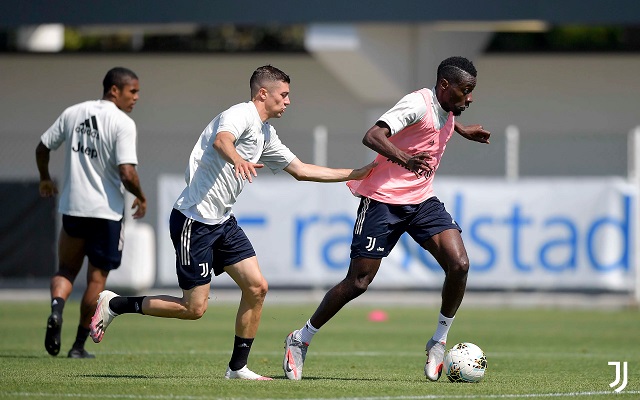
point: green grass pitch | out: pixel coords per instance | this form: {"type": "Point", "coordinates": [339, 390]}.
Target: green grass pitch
{"type": "Point", "coordinates": [532, 353]}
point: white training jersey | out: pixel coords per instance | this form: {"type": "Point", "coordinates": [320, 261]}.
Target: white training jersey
{"type": "Point", "coordinates": [410, 109]}
{"type": "Point", "coordinates": [212, 187]}
{"type": "Point", "coordinates": [98, 137]}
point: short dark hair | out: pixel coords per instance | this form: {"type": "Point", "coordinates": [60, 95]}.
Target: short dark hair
{"type": "Point", "coordinates": [453, 69]}
{"type": "Point", "coordinates": [264, 74]}
{"type": "Point", "coordinates": [118, 76]}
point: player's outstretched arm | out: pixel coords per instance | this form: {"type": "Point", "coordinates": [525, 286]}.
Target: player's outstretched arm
{"type": "Point", "coordinates": [473, 132]}
{"type": "Point", "coordinates": [315, 173]}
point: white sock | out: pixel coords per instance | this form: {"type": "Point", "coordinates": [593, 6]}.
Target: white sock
{"type": "Point", "coordinates": [442, 330]}
{"type": "Point", "coordinates": [306, 333]}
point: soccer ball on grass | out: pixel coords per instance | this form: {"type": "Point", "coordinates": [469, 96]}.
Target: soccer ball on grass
{"type": "Point", "coordinates": [465, 362]}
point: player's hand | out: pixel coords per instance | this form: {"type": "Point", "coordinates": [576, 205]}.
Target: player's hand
{"type": "Point", "coordinates": [476, 133]}
{"type": "Point", "coordinates": [419, 164]}
{"type": "Point", "coordinates": [140, 207]}
{"type": "Point", "coordinates": [48, 188]}
{"type": "Point", "coordinates": [245, 169]}
{"type": "Point", "coordinates": [361, 173]}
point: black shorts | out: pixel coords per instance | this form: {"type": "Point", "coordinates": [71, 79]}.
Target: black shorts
{"type": "Point", "coordinates": [379, 225]}
{"type": "Point", "coordinates": [104, 239]}
{"type": "Point", "coordinates": [203, 249]}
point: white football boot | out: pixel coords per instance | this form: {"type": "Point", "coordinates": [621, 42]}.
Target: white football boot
{"type": "Point", "coordinates": [295, 352]}
{"type": "Point", "coordinates": [102, 317]}
{"type": "Point", "coordinates": [435, 356]}
{"type": "Point", "coordinates": [245, 373]}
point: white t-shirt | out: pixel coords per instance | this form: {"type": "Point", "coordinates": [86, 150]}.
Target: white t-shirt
{"type": "Point", "coordinates": [410, 109]}
{"type": "Point", "coordinates": [99, 137]}
{"type": "Point", "coordinates": [212, 187]}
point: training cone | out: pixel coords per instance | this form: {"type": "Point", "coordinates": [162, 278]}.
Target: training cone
{"type": "Point", "coordinates": [378, 316]}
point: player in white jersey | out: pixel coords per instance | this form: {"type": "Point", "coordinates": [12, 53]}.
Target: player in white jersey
{"type": "Point", "coordinates": [100, 143]}
{"type": "Point", "coordinates": [204, 232]}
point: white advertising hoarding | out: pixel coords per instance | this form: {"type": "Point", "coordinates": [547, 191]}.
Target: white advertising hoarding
{"type": "Point", "coordinates": [574, 233]}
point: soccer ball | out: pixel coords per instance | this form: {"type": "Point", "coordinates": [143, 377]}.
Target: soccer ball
{"type": "Point", "coordinates": [465, 362]}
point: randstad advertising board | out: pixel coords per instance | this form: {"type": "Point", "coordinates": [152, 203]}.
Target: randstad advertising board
{"type": "Point", "coordinates": [573, 233]}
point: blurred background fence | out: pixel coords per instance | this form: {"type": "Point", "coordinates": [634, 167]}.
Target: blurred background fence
{"type": "Point", "coordinates": [550, 205]}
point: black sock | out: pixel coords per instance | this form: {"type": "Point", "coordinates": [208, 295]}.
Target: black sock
{"type": "Point", "coordinates": [57, 305]}
{"type": "Point", "coordinates": [81, 337]}
{"type": "Point", "coordinates": [241, 349]}
{"type": "Point", "coordinates": [126, 305]}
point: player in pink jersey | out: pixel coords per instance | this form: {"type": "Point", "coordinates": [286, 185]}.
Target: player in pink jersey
{"type": "Point", "coordinates": [397, 197]}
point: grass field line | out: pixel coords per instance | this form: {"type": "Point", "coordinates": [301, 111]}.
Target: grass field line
{"type": "Point", "coordinates": [360, 353]}
{"type": "Point", "coordinates": [425, 397]}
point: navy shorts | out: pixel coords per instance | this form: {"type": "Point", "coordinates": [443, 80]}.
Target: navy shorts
{"type": "Point", "coordinates": [103, 239]}
{"type": "Point", "coordinates": [203, 249]}
{"type": "Point", "coordinates": [379, 225]}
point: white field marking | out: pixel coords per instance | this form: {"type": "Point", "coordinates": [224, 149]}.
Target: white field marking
{"type": "Point", "coordinates": [366, 353]}
{"type": "Point", "coordinates": [427, 397]}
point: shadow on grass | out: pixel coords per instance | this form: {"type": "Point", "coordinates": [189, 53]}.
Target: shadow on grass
{"type": "Point", "coordinates": [331, 378]}
{"type": "Point", "coordinates": [25, 356]}
{"type": "Point", "coordinates": [120, 376]}
{"type": "Point", "coordinates": [278, 378]}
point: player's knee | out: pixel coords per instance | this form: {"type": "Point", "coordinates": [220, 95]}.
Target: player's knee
{"type": "Point", "coordinates": [259, 290]}
{"type": "Point", "coordinates": [263, 289]}
{"type": "Point", "coordinates": [196, 313]}
{"type": "Point", "coordinates": [196, 310]}
{"type": "Point", "coordinates": [460, 267]}
{"type": "Point", "coordinates": [361, 284]}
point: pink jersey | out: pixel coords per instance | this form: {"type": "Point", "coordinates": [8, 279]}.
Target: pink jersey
{"type": "Point", "coordinates": [391, 183]}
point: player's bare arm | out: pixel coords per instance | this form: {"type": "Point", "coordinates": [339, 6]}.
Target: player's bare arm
{"type": "Point", "coordinates": [473, 132]}
{"type": "Point", "coordinates": [47, 186]}
{"type": "Point", "coordinates": [315, 173]}
{"type": "Point", "coordinates": [224, 144]}
{"type": "Point", "coordinates": [377, 139]}
{"type": "Point", "coordinates": [131, 182]}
